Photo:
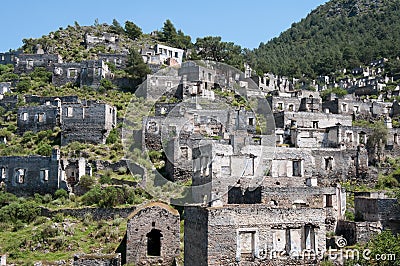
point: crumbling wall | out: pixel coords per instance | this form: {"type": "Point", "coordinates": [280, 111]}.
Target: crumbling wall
{"type": "Point", "coordinates": [37, 118]}
{"type": "Point", "coordinates": [95, 260]}
{"type": "Point", "coordinates": [64, 73]}
{"type": "Point", "coordinates": [26, 63]}
{"type": "Point", "coordinates": [240, 233]}
{"type": "Point", "coordinates": [26, 175]}
{"type": "Point", "coordinates": [88, 122]}
{"type": "Point", "coordinates": [153, 235]}
{"type": "Point", "coordinates": [358, 232]}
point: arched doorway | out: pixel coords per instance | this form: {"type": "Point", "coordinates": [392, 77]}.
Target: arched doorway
{"type": "Point", "coordinates": [154, 243]}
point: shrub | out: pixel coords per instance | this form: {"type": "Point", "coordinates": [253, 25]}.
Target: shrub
{"type": "Point", "coordinates": [61, 194]}
{"type": "Point", "coordinates": [87, 181]}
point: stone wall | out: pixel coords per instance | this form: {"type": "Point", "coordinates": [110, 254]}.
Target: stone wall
{"type": "Point", "coordinates": [9, 103]}
{"type": "Point", "coordinates": [64, 73]}
{"type": "Point", "coordinates": [96, 260]}
{"type": "Point", "coordinates": [31, 174]}
{"type": "Point", "coordinates": [26, 63]}
{"type": "Point", "coordinates": [306, 119]}
{"type": "Point", "coordinates": [153, 235]}
{"type": "Point", "coordinates": [240, 233]}
{"type": "Point", "coordinates": [87, 122]}
{"type": "Point", "coordinates": [358, 232]}
{"type": "Point", "coordinates": [377, 209]}
{"type": "Point", "coordinates": [38, 118]}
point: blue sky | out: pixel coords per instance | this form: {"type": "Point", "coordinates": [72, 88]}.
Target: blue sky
{"type": "Point", "coordinates": [246, 23]}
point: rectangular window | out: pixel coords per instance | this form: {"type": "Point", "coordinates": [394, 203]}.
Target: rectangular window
{"type": "Point", "coordinates": [251, 121]}
{"type": "Point", "coordinates": [69, 111]}
{"type": "Point", "coordinates": [328, 201]}
{"type": "Point", "coordinates": [20, 175]}
{"type": "Point", "coordinates": [29, 64]}
{"type": "Point", "coordinates": [3, 173]}
{"type": "Point", "coordinates": [41, 117]}
{"type": "Point", "coordinates": [315, 124]}
{"type": "Point", "coordinates": [297, 168]}
{"type": "Point", "coordinates": [44, 175]}
{"type": "Point", "coordinates": [176, 54]}
{"type": "Point", "coordinates": [72, 72]}
{"type": "Point", "coordinates": [24, 116]}
{"type": "Point", "coordinates": [184, 153]}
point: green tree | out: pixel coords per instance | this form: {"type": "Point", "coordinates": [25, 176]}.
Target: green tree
{"type": "Point", "coordinates": [116, 27]}
{"type": "Point", "coordinates": [212, 48]}
{"type": "Point", "coordinates": [168, 32]}
{"type": "Point", "coordinates": [174, 38]}
{"type": "Point", "coordinates": [376, 141]}
{"type": "Point", "coordinates": [135, 67]}
{"type": "Point", "coordinates": [132, 30]}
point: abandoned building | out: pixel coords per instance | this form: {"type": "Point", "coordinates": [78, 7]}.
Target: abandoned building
{"type": "Point", "coordinates": [152, 235]}
{"type": "Point", "coordinates": [109, 40]}
{"type": "Point", "coordinates": [32, 174]}
{"type": "Point", "coordinates": [27, 175]}
{"type": "Point", "coordinates": [38, 118]}
{"type": "Point", "coordinates": [161, 54]}
{"type": "Point", "coordinates": [88, 121]}
{"type": "Point", "coordinates": [9, 58]}
{"type": "Point", "coordinates": [64, 73]}
{"type": "Point", "coordinates": [26, 63]}
{"type": "Point", "coordinates": [251, 234]}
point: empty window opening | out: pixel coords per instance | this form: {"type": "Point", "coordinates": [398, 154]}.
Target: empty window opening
{"type": "Point", "coordinates": [315, 124]}
{"type": "Point", "coordinates": [20, 175]}
{"type": "Point", "coordinates": [247, 243]}
{"type": "Point", "coordinates": [362, 138]}
{"type": "Point", "coordinates": [395, 138]}
{"type": "Point", "coordinates": [251, 121]}
{"type": "Point", "coordinates": [296, 168]}
{"type": "Point", "coordinates": [29, 64]}
{"type": "Point", "coordinates": [72, 73]}
{"type": "Point", "coordinates": [3, 173]}
{"type": "Point", "coordinates": [328, 163]}
{"type": "Point", "coordinates": [349, 136]}
{"type": "Point", "coordinates": [44, 175]}
{"type": "Point", "coordinates": [328, 201]}
{"type": "Point", "coordinates": [41, 117]}
{"type": "Point", "coordinates": [291, 107]}
{"type": "Point", "coordinates": [344, 107]}
{"type": "Point", "coordinates": [184, 153]}
{"type": "Point", "coordinates": [280, 106]}
{"type": "Point", "coordinates": [70, 111]}
{"type": "Point", "coordinates": [176, 54]}
{"type": "Point", "coordinates": [309, 239]}
{"type": "Point", "coordinates": [24, 116]}
{"type": "Point", "coordinates": [154, 243]}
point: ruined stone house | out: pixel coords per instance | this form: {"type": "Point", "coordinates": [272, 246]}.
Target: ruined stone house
{"type": "Point", "coordinates": [26, 63]}
{"type": "Point", "coordinates": [26, 175]}
{"type": "Point", "coordinates": [153, 235]}
{"type": "Point", "coordinates": [88, 121]}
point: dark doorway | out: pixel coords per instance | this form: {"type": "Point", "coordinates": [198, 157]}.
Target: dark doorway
{"type": "Point", "coordinates": [154, 243]}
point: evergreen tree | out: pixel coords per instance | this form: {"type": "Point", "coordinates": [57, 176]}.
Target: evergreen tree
{"type": "Point", "coordinates": [132, 30]}
{"type": "Point", "coordinates": [136, 68]}
{"type": "Point", "coordinates": [116, 27]}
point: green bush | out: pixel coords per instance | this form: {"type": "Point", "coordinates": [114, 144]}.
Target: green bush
{"type": "Point", "coordinates": [61, 194]}
{"type": "Point", "coordinates": [87, 181]}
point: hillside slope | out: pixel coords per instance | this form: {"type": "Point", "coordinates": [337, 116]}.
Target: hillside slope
{"type": "Point", "coordinates": [338, 34]}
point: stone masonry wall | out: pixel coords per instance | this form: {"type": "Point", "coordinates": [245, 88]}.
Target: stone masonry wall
{"type": "Point", "coordinates": [151, 227]}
